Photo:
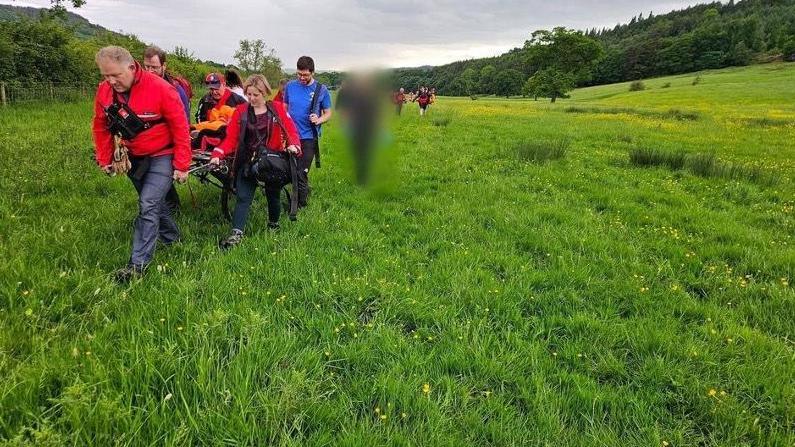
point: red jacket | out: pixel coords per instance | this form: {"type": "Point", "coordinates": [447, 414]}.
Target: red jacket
{"type": "Point", "coordinates": [152, 99]}
{"type": "Point", "coordinates": [232, 142]}
{"type": "Point", "coordinates": [423, 99]}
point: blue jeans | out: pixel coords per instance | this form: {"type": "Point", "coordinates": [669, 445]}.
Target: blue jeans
{"type": "Point", "coordinates": [154, 219]}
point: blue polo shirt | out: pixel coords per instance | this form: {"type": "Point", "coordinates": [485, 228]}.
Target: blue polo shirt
{"type": "Point", "coordinates": [298, 98]}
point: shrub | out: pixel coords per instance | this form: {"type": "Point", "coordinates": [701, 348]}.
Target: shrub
{"type": "Point", "coordinates": [681, 115]}
{"type": "Point", "coordinates": [441, 121]}
{"type": "Point", "coordinates": [670, 114]}
{"type": "Point", "coordinates": [703, 164]}
{"type": "Point", "coordinates": [637, 86]}
{"type": "Point", "coordinates": [768, 122]}
{"type": "Point", "coordinates": [539, 151]}
{"type": "Point", "coordinates": [645, 157]}
{"type": "Point", "coordinates": [708, 165]}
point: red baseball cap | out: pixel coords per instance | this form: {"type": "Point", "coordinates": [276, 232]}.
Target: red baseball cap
{"type": "Point", "coordinates": [214, 80]}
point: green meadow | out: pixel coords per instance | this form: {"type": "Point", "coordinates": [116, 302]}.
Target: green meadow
{"type": "Point", "coordinates": [614, 269]}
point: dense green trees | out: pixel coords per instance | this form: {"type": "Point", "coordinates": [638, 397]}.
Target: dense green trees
{"type": "Point", "coordinates": [713, 35]}
{"type": "Point", "coordinates": [47, 49]}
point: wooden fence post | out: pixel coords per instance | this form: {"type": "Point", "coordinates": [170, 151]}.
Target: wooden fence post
{"type": "Point", "coordinates": [3, 93]}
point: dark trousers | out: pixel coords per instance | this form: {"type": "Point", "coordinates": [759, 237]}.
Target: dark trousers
{"type": "Point", "coordinates": [154, 219]}
{"type": "Point", "coordinates": [398, 108]}
{"type": "Point", "coordinates": [309, 150]}
{"type": "Point", "coordinates": [172, 199]}
{"type": "Point", "coordinates": [246, 189]}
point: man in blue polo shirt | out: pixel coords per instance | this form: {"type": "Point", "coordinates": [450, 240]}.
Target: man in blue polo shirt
{"type": "Point", "coordinates": [309, 113]}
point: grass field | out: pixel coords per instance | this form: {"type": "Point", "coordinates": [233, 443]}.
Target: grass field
{"type": "Point", "coordinates": [474, 298]}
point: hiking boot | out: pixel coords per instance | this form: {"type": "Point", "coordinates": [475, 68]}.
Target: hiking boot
{"type": "Point", "coordinates": [234, 239]}
{"type": "Point", "coordinates": [127, 273]}
{"type": "Point", "coordinates": [273, 226]}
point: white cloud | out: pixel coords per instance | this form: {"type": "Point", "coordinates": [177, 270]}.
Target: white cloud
{"type": "Point", "coordinates": [343, 33]}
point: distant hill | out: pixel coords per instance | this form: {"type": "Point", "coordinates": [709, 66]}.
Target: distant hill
{"type": "Point", "coordinates": [705, 36]}
{"type": "Point", "coordinates": [82, 27]}
{"type": "Point", "coordinates": [37, 45]}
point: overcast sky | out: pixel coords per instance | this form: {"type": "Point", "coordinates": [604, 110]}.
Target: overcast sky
{"type": "Point", "coordinates": [343, 34]}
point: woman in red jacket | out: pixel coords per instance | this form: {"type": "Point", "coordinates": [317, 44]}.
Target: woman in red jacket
{"type": "Point", "coordinates": [253, 126]}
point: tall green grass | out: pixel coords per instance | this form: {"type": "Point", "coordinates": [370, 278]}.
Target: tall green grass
{"type": "Point", "coordinates": [673, 114]}
{"type": "Point", "coordinates": [702, 164]}
{"type": "Point", "coordinates": [465, 298]}
{"type": "Point", "coordinates": [540, 151]}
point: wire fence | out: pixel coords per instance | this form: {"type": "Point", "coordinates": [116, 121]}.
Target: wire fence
{"type": "Point", "coordinates": [15, 93]}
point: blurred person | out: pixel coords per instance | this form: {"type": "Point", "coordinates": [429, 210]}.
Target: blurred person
{"type": "Point", "coordinates": [140, 128]}
{"type": "Point", "coordinates": [359, 102]}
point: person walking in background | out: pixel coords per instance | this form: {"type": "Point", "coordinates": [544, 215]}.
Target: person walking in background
{"type": "Point", "coordinates": [399, 98]}
{"type": "Point", "coordinates": [309, 104]}
{"type": "Point", "coordinates": [155, 63]}
{"type": "Point", "coordinates": [423, 99]}
{"type": "Point", "coordinates": [235, 83]}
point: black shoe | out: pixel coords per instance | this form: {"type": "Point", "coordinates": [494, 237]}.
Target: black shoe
{"type": "Point", "coordinates": [273, 226]}
{"type": "Point", "coordinates": [234, 239]}
{"type": "Point", "coordinates": [128, 273]}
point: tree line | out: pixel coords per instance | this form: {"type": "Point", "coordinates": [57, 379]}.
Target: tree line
{"type": "Point", "coordinates": [551, 62]}
{"type": "Point", "coordinates": [47, 49]}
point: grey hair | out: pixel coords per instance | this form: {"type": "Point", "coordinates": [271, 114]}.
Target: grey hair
{"type": "Point", "coordinates": [115, 54]}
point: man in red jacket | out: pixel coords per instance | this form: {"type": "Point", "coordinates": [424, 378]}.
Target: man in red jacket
{"type": "Point", "coordinates": [399, 98]}
{"type": "Point", "coordinates": [217, 96]}
{"type": "Point", "coordinates": [142, 113]}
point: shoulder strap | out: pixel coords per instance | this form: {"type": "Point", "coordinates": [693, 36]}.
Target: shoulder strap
{"type": "Point", "coordinates": [315, 98]}
{"type": "Point", "coordinates": [293, 163]}
{"type": "Point", "coordinates": [272, 110]}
